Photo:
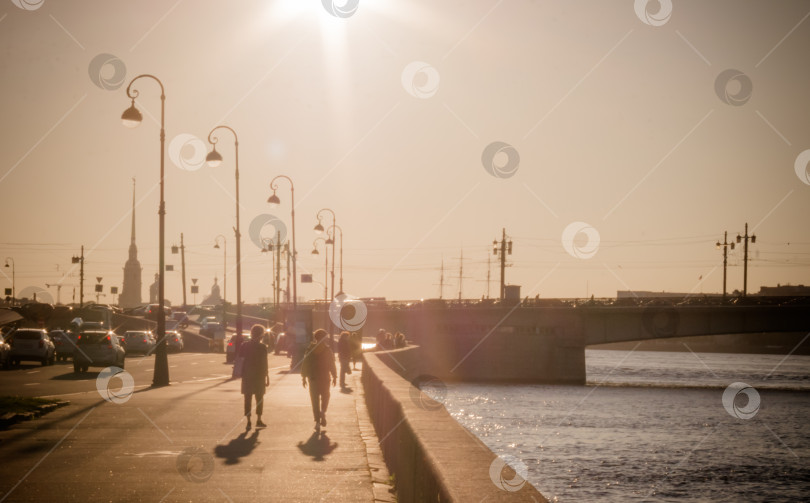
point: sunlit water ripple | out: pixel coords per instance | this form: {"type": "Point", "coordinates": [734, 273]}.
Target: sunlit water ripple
{"type": "Point", "coordinates": [652, 426]}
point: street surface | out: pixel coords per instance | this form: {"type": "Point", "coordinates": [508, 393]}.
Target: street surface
{"type": "Point", "coordinates": [184, 442]}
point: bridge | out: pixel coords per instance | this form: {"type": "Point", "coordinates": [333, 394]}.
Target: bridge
{"type": "Point", "coordinates": [547, 344]}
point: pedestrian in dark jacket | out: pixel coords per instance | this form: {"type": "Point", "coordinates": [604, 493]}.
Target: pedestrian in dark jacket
{"type": "Point", "coordinates": [255, 377]}
{"type": "Point", "coordinates": [318, 365]}
{"type": "Point", "coordinates": [344, 355]}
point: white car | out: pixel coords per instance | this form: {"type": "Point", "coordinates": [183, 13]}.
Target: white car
{"type": "Point", "coordinates": [32, 344]}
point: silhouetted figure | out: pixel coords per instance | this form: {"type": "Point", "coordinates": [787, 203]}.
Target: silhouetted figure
{"type": "Point", "coordinates": [356, 343]}
{"type": "Point", "coordinates": [255, 377]}
{"type": "Point", "coordinates": [318, 365]}
{"type": "Point", "coordinates": [399, 340]}
{"type": "Point", "coordinates": [344, 354]}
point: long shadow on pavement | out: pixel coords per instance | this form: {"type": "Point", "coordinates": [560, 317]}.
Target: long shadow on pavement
{"type": "Point", "coordinates": [317, 446]}
{"type": "Point", "coordinates": [239, 447]}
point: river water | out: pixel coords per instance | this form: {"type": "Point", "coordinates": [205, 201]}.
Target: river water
{"type": "Point", "coordinates": [653, 426]}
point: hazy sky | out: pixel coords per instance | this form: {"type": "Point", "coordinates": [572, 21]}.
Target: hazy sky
{"type": "Point", "coordinates": [630, 139]}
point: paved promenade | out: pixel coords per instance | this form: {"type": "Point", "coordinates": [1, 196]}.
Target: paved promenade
{"type": "Point", "coordinates": [188, 442]}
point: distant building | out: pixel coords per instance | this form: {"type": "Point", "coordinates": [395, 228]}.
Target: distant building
{"type": "Point", "coordinates": [784, 290]}
{"type": "Point", "coordinates": [131, 291]}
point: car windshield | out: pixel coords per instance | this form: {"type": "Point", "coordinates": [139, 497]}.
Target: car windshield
{"type": "Point", "coordinates": [27, 336]}
{"type": "Point", "coordinates": [94, 338]}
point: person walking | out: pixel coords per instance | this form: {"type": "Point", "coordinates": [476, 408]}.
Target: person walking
{"type": "Point", "coordinates": [318, 365]}
{"type": "Point", "coordinates": [344, 355]}
{"type": "Point", "coordinates": [356, 343]}
{"type": "Point", "coordinates": [255, 377]}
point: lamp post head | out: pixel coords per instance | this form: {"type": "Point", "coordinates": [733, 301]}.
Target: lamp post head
{"type": "Point", "coordinates": [739, 238]}
{"type": "Point", "coordinates": [216, 245]}
{"type": "Point", "coordinates": [274, 200]}
{"type": "Point", "coordinates": [319, 228]}
{"type": "Point", "coordinates": [315, 251]}
{"type": "Point", "coordinates": [132, 116]}
{"type": "Point", "coordinates": [214, 158]}
{"type": "Point", "coordinates": [754, 238]}
{"type": "Point", "coordinates": [330, 241]}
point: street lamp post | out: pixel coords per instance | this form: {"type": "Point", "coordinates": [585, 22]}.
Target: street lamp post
{"type": "Point", "coordinates": [131, 118]}
{"type": "Point", "coordinates": [325, 265]}
{"type": "Point", "coordinates": [13, 281]}
{"type": "Point", "coordinates": [274, 200]}
{"type": "Point", "coordinates": [319, 229]}
{"type": "Point", "coordinates": [214, 159]}
{"type": "Point", "coordinates": [331, 231]}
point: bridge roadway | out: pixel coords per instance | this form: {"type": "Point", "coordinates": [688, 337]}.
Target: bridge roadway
{"type": "Point", "coordinates": [547, 344]}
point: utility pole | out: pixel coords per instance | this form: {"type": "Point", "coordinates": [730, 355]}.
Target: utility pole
{"type": "Point", "coordinates": [278, 268]}
{"type": "Point", "coordinates": [80, 260]}
{"type": "Point", "coordinates": [505, 249]}
{"type": "Point", "coordinates": [460, 274]}
{"type": "Point", "coordinates": [183, 266]}
{"type": "Point", "coordinates": [287, 251]}
{"type": "Point", "coordinates": [725, 244]}
{"type": "Point", "coordinates": [753, 239]}
{"type": "Point", "coordinates": [441, 280]}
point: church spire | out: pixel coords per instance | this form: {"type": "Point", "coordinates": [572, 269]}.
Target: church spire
{"type": "Point", "coordinates": [132, 241]}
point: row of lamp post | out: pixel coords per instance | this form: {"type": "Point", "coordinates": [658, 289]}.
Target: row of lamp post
{"type": "Point", "coordinates": [132, 117]}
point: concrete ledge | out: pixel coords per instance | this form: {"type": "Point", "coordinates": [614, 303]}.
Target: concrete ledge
{"type": "Point", "coordinates": [432, 457]}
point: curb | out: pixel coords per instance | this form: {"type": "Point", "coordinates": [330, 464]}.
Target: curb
{"type": "Point", "coordinates": [11, 418]}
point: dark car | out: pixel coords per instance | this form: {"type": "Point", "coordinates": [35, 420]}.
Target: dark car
{"type": "Point", "coordinates": [5, 353]}
{"type": "Point", "coordinates": [181, 318]}
{"type": "Point", "coordinates": [174, 341]}
{"type": "Point", "coordinates": [64, 342]}
{"type": "Point", "coordinates": [97, 348]}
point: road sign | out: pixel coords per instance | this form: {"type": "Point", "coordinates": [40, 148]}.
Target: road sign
{"type": "Point", "coordinates": [306, 278]}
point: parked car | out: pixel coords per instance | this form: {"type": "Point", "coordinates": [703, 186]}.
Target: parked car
{"type": "Point", "coordinates": [174, 341]}
{"type": "Point", "coordinates": [32, 344]}
{"type": "Point", "coordinates": [181, 318]}
{"type": "Point", "coordinates": [97, 348]}
{"type": "Point", "coordinates": [5, 353]}
{"type": "Point", "coordinates": [139, 341]}
{"type": "Point", "coordinates": [64, 343]}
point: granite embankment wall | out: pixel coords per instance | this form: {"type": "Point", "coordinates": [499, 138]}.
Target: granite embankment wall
{"type": "Point", "coordinates": [432, 457]}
